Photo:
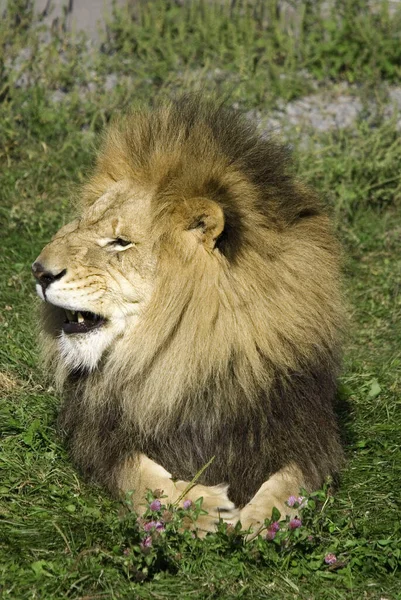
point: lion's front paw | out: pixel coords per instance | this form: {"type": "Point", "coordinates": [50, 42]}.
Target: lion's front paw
{"type": "Point", "coordinates": [254, 514]}
{"type": "Point", "coordinates": [253, 518]}
{"type": "Point", "coordinates": [273, 493]}
{"type": "Point", "coordinates": [217, 505]}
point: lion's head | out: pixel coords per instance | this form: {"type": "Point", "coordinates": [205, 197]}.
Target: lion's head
{"type": "Point", "coordinates": [99, 272]}
{"type": "Point", "coordinates": [198, 275]}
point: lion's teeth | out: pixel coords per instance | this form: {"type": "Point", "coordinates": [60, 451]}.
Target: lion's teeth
{"type": "Point", "coordinates": [80, 318]}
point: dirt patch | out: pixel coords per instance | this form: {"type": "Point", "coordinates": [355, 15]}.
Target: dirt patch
{"type": "Point", "coordinates": [8, 383]}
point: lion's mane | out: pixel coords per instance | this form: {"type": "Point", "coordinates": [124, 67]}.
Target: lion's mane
{"type": "Point", "coordinates": [235, 358]}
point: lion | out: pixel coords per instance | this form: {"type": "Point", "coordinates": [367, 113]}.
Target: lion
{"type": "Point", "coordinates": [192, 313]}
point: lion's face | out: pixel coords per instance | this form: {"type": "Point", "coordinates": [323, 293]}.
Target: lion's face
{"type": "Point", "coordinates": [98, 271]}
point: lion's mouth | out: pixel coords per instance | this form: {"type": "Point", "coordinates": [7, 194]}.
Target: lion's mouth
{"type": "Point", "coordinates": [81, 321]}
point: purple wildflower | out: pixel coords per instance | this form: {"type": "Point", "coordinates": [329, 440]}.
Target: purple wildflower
{"type": "Point", "coordinates": [330, 559]}
{"type": "Point", "coordinates": [155, 505]}
{"type": "Point", "coordinates": [294, 523]}
{"type": "Point", "coordinates": [187, 504]}
{"type": "Point", "coordinates": [146, 543]}
{"type": "Point", "coordinates": [127, 551]}
{"type": "Point", "coordinates": [272, 530]}
{"type": "Point", "coordinates": [154, 526]}
{"type": "Point", "coordinates": [149, 526]}
{"type": "Point", "coordinates": [302, 501]}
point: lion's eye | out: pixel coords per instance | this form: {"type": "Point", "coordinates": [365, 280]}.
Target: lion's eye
{"type": "Point", "coordinates": [116, 244]}
{"type": "Point", "coordinates": [120, 242]}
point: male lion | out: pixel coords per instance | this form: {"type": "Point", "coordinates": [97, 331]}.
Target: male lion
{"type": "Point", "coordinates": [192, 310]}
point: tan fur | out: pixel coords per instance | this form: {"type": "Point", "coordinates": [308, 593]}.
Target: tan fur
{"type": "Point", "coordinates": [142, 474]}
{"type": "Point", "coordinates": [273, 493]}
{"type": "Point", "coordinates": [234, 349]}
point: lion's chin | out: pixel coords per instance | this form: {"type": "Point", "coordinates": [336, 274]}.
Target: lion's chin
{"type": "Point", "coordinates": [83, 350]}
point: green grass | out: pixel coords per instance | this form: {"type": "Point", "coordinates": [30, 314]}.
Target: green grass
{"type": "Point", "coordinates": [268, 52]}
{"type": "Point", "coordinates": [59, 536]}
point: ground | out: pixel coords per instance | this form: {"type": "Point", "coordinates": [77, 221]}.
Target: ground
{"type": "Point", "coordinates": [335, 99]}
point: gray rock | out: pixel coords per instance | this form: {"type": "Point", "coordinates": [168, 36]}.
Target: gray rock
{"type": "Point", "coordinates": [394, 95]}
{"type": "Point", "coordinates": [58, 96]}
{"type": "Point", "coordinates": [111, 82]}
{"type": "Point", "coordinates": [23, 81]}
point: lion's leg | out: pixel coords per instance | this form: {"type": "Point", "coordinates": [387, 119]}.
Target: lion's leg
{"type": "Point", "coordinates": [142, 474]}
{"type": "Point", "coordinates": [273, 493]}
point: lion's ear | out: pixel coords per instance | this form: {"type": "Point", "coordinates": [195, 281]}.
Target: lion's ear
{"type": "Point", "coordinates": [206, 221]}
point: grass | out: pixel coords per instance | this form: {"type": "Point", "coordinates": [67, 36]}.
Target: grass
{"type": "Point", "coordinates": [63, 538]}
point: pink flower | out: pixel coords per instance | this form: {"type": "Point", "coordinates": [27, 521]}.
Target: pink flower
{"type": "Point", "coordinates": [146, 543]}
{"type": "Point", "coordinates": [154, 526]}
{"type": "Point", "coordinates": [155, 505]}
{"type": "Point", "coordinates": [302, 501]}
{"type": "Point", "coordinates": [149, 526]}
{"type": "Point", "coordinates": [330, 559]}
{"type": "Point", "coordinates": [294, 523]}
{"type": "Point", "coordinates": [272, 530]}
{"type": "Point", "coordinates": [187, 504]}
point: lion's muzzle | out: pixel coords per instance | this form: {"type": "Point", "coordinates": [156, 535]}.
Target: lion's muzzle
{"type": "Point", "coordinates": [45, 277]}
{"type": "Point", "coordinates": [76, 321]}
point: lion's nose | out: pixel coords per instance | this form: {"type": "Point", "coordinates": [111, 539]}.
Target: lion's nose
{"type": "Point", "coordinates": [45, 278]}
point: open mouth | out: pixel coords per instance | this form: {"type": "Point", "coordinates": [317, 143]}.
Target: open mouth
{"type": "Point", "coordinates": [81, 321]}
